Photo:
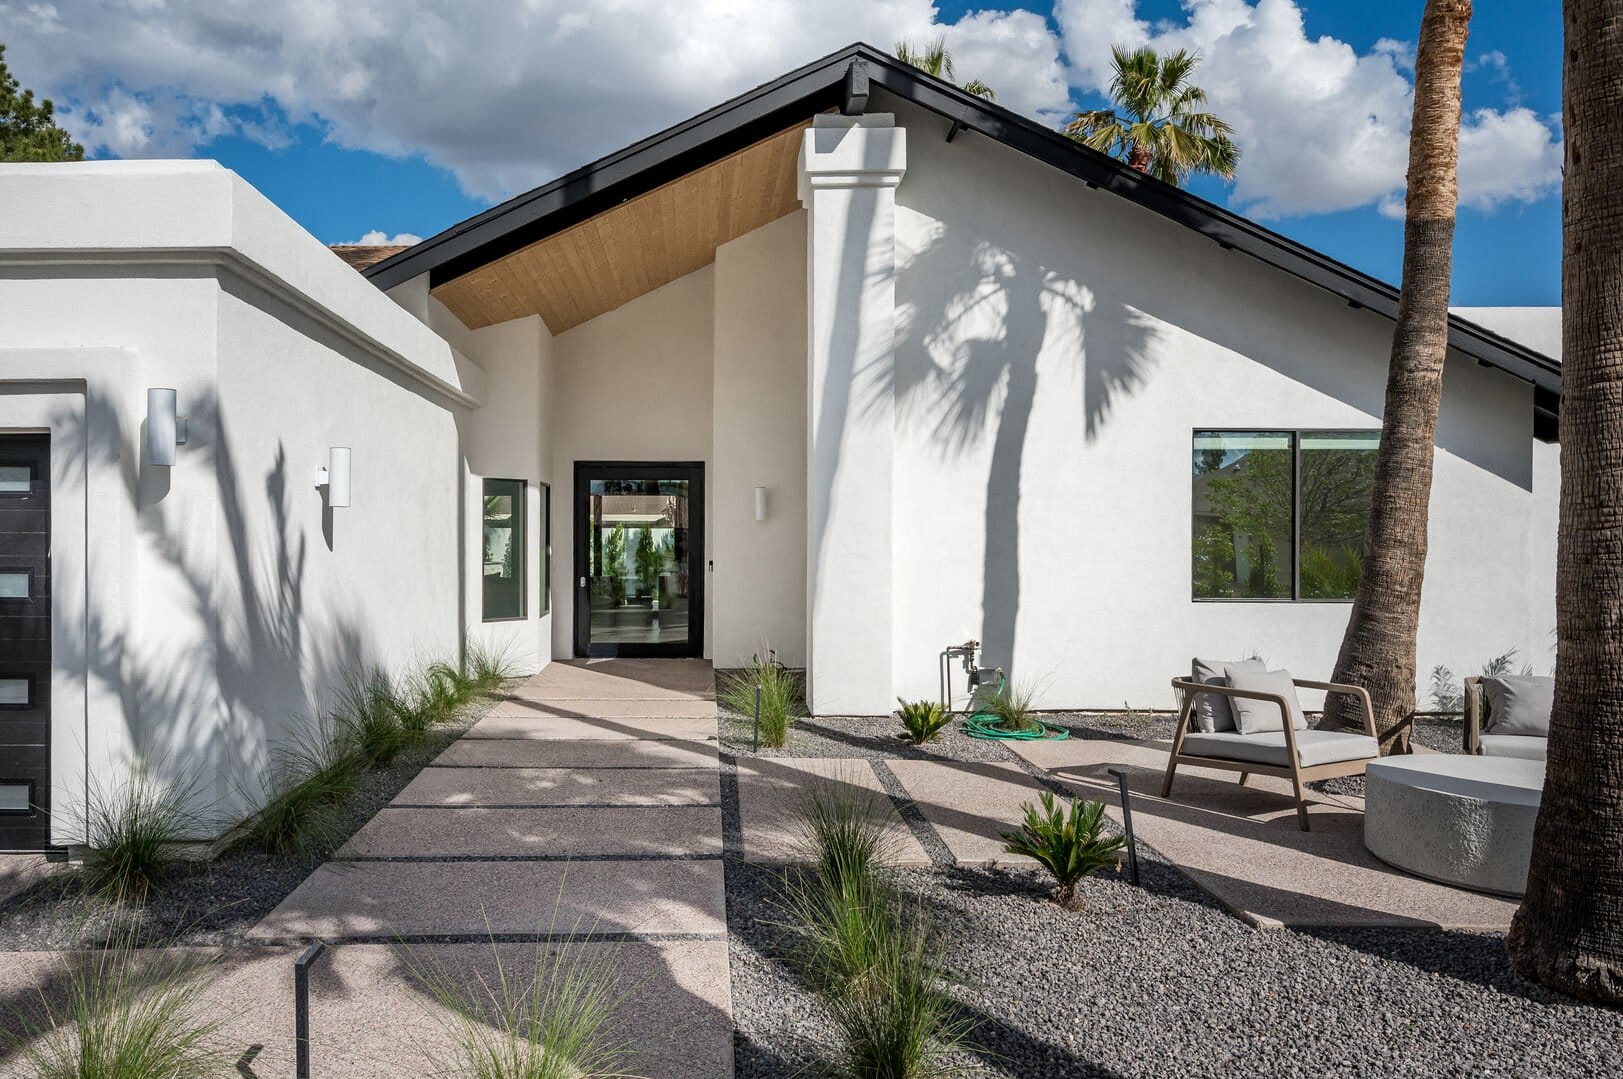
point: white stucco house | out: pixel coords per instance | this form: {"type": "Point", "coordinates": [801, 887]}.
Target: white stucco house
{"type": "Point", "coordinates": [855, 366]}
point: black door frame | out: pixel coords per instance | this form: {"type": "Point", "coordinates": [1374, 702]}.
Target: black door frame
{"type": "Point", "coordinates": [698, 567]}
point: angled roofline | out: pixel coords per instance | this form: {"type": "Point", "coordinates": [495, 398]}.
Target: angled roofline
{"type": "Point", "coordinates": [843, 80]}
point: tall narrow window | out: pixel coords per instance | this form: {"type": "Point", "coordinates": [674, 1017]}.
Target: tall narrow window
{"type": "Point", "coordinates": [546, 548]}
{"type": "Point", "coordinates": [1280, 514]}
{"type": "Point", "coordinates": [1242, 515]}
{"type": "Point", "coordinates": [503, 551]}
{"type": "Point", "coordinates": [1336, 481]}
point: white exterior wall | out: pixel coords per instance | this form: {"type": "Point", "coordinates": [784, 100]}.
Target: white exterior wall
{"type": "Point", "coordinates": [758, 589]}
{"type": "Point", "coordinates": [1056, 348]}
{"type": "Point", "coordinates": [634, 384]}
{"type": "Point", "coordinates": [221, 600]}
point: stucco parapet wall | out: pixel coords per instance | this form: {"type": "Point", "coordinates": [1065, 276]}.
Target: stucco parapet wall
{"type": "Point", "coordinates": [852, 151]}
{"type": "Point", "coordinates": [180, 213]}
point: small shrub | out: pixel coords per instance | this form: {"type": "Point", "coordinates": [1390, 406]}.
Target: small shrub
{"type": "Point", "coordinates": [780, 696]}
{"type": "Point", "coordinates": [923, 720]}
{"type": "Point", "coordinates": [131, 834]}
{"type": "Point", "coordinates": [1011, 706]}
{"type": "Point", "coordinates": [1066, 843]}
{"type": "Point", "coordinates": [558, 1020]}
{"type": "Point", "coordinates": [843, 832]}
{"type": "Point", "coordinates": [436, 695]}
{"type": "Point", "coordinates": [1448, 695]}
{"type": "Point", "coordinates": [312, 775]}
{"type": "Point", "coordinates": [129, 1013]}
{"type": "Point", "coordinates": [486, 669]}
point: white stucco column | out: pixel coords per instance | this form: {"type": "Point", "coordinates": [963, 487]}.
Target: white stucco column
{"type": "Point", "coordinates": [849, 169]}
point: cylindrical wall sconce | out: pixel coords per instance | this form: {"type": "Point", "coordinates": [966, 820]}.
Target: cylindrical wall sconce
{"type": "Point", "coordinates": [338, 476]}
{"type": "Point", "coordinates": [760, 503]}
{"type": "Point", "coordinates": [335, 477]}
{"type": "Point", "coordinates": [165, 430]}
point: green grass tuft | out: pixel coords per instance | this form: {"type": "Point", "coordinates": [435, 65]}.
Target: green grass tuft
{"type": "Point", "coordinates": [371, 720]}
{"type": "Point", "coordinates": [486, 668]}
{"type": "Point", "coordinates": [780, 696]}
{"type": "Point", "coordinates": [128, 1013]}
{"type": "Point", "coordinates": [1067, 842]}
{"type": "Point", "coordinates": [311, 776]}
{"type": "Point", "coordinates": [1011, 707]}
{"type": "Point", "coordinates": [923, 720]}
{"type": "Point", "coordinates": [131, 833]}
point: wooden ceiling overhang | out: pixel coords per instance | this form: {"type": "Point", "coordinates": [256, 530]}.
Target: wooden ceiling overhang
{"type": "Point", "coordinates": [632, 248]}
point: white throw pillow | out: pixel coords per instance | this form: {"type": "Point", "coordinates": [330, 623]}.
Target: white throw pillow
{"type": "Point", "coordinates": [1256, 717]}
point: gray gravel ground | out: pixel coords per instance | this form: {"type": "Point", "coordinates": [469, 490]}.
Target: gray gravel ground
{"type": "Point", "coordinates": [1158, 980]}
{"type": "Point", "coordinates": [204, 902]}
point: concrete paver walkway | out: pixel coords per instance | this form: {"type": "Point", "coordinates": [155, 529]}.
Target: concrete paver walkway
{"type": "Point", "coordinates": [584, 806]}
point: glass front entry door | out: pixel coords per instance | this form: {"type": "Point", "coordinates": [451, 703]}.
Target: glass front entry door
{"type": "Point", "coordinates": [639, 559]}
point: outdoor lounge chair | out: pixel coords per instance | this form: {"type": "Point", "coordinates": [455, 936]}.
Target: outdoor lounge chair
{"type": "Point", "coordinates": [1509, 716]}
{"type": "Point", "coordinates": [1298, 754]}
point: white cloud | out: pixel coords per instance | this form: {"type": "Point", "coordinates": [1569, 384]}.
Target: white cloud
{"type": "Point", "coordinates": [1321, 126]}
{"type": "Point", "coordinates": [505, 94]}
{"type": "Point", "coordinates": [379, 238]}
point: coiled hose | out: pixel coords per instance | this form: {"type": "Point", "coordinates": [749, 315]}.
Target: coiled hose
{"type": "Point", "coordinates": [984, 725]}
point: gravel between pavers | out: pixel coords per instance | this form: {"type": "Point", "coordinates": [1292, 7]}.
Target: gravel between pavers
{"type": "Point", "coordinates": [1159, 980]}
{"type": "Point", "coordinates": [213, 902]}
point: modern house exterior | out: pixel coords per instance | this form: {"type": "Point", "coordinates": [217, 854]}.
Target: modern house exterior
{"type": "Point", "coordinates": [853, 367]}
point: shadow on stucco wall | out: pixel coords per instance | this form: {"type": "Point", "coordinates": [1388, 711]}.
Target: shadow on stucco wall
{"type": "Point", "coordinates": [205, 697]}
{"type": "Point", "coordinates": [979, 330]}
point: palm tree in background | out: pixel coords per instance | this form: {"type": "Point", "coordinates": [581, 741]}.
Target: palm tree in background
{"type": "Point", "coordinates": [934, 59]}
{"type": "Point", "coordinates": [1161, 127]}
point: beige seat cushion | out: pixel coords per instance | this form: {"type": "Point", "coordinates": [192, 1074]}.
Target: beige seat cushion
{"type": "Point", "coordinates": [1312, 747]}
{"type": "Point", "coordinates": [1526, 746]}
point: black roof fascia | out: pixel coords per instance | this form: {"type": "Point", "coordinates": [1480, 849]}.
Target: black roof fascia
{"type": "Point", "coordinates": [829, 84]}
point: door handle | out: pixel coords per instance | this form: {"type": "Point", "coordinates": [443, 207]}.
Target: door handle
{"type": "Point", "coordinates": [583, 582]}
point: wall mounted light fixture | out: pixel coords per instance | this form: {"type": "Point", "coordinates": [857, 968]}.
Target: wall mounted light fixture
{"type": "Point", "coordinates": [760, 503]}
{"type": "Point", "coordinates": [165, 430]}
{"type": "Point", "coordinates": [335, 477]}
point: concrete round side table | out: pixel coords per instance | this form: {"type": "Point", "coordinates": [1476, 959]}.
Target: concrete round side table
{"type": "Point", "coordinates": [1461, 820]}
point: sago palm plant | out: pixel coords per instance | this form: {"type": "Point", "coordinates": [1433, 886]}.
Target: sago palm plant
{"type": "Point", "coordinates": [1162, 126]}
{"type": "Point", "coordinates": [1067, 843]}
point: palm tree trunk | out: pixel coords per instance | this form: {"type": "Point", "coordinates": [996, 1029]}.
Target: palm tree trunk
{"type": "Point", "coordinates": [1378, 651]}
{"type": "Point", "coordinates": [1139, 157]}
{"type": "Point", "coordinates": [1568, 933]}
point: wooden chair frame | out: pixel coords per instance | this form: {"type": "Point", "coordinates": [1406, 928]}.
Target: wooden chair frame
{"type": "Point", "coordinates": [1294, 771]}
{"type": "Point", "coordinates": [1473, 714]}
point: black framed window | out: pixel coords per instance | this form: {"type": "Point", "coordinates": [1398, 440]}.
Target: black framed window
{"type": "Point", "coordinates": [546, 548]}
{"type": "Point", "coordinates": [1280, 515]}
{"type": "Point", "coordinates": [502, 550]}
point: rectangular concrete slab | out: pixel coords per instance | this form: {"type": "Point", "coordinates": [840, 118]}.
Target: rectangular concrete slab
{"type": "Point", "coordinates": [371, 1017]}
{"type": "Point", "coordinates": [604, 708]}
{"type": "Point", "coordinates": [1242, 844]}
{"type": "Point", "coordinates": [562, 786]}
{"type": "Point", "coordinates": [587, 753]}
{"type": "Point", "coordinates": [387, 900]}
{"type": "Point", "coordinates": [970, 806]}
{"type": "Point", "coordinates": [577, 728]}
{"type": "Point", "coordinates": [562, 831]}
{"type": "Point", "coordinates": [632, 679]}
{"type": "Point", "coordinates": [772, 792]}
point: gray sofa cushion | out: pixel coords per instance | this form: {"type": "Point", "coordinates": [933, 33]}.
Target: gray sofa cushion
{"type": "Point", "coordinates": [1525, 746]}
{"type": "Point", "coordinates": [1519, 705]}
{"type": "Point", "coordinates": [1312, 747]}
{"type": "Point", "coordinates": [1254, 717]}
{"type": "Point", "coordinates": [1212, 711]}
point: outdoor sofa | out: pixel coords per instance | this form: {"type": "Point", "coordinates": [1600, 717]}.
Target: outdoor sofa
{"type": "Point", "coordinates": [1240, 717]}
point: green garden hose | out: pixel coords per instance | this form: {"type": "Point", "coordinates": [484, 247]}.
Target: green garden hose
{"type": "Point", "coordinates": [984, 725]}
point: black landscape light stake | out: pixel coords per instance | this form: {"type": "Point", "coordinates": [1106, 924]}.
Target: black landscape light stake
{"type": "Point", "coordinates": [756, 748]}
{"type": "Point", "coordinates": [1127, 822]}
{"type": "Point", "coordinates": [301, 1009]}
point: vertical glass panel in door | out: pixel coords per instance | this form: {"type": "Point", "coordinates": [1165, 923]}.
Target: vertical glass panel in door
{"type": "Point", "coordinates": [638, 534]}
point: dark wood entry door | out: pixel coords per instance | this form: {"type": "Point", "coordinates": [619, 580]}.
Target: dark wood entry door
{"type": "Point", "coordinates": [25, 642]}
{"type": "Point", "coordinates": [639, 558]}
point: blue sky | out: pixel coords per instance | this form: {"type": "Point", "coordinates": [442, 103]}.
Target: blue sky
{"type": "Point", "coordinates": [368, 116]}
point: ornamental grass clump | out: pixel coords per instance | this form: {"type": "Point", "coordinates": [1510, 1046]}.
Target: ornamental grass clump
{"type": "Point", "coordinates": [922, 720]}
{"type": "Point", "coordinates": [1010, 708]}
{"type": "Point", "coordinates": [780, 696]}
{"type": "Point", "coordinates": [309, 779]}
{"type": "Point", "coordinates": [124, 1012]}
{"type": "Point", "coordinates": [1066, 842]}
{"type": "Point", "coordinates": [553, 1017]}
{"type": "Point", "coordinates": [132, 833]}
{"type": "Point", "coordinates": [371, 720]}
{"type": "Point", "coordinates": [874, 959]}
